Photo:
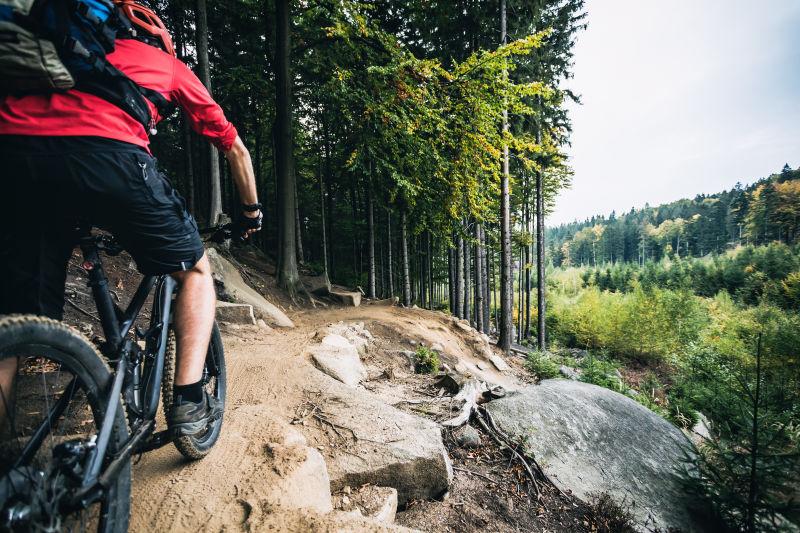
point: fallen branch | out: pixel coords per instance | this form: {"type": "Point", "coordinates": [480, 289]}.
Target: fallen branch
{"type": "Point", "coordinates": [81, 309]}
{"type": "Point", "coordinates": [487, 478]}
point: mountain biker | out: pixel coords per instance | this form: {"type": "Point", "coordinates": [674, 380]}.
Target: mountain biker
{"type": "Point", "coordinates": [73, 155]}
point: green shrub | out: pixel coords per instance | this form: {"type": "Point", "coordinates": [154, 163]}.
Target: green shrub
{"type": "Point", "coordinates": [542, 365]}
{"type": "Point", "coordinates": [601, 372]}
{"type": "Point", "coordinates": [427, 361]}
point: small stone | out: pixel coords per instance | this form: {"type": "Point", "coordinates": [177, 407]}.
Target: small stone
{"type": "Point", "coordinates": [569, 373]}
{"type": "Point", "coordinates": [499, 363]}
{"type": "Point", "coordinates": [263, 325]}
{"type": "Point", "coordinates": [468, 437]}
{"type": "Point", "coordinates": [437, 347]}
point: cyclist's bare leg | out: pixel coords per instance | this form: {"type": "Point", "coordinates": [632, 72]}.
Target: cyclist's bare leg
{"type": "Point", "coordinates": [194, 319]}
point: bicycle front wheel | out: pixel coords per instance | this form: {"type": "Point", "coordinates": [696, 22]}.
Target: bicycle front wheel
{"type": "Point", "coordinates": [53, 387]}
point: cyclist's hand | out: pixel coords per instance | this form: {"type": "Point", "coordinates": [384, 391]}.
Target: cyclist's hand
{"type": "Point", "coordinates": [249, 223]}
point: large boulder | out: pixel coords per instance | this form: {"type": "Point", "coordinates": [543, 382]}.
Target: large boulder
{"type": "Point", "coordinates": [234, 286]}
{"type": "Point", "coordinates": [590, 440]}
{"type": "Point", "coordinates": [365, 441]}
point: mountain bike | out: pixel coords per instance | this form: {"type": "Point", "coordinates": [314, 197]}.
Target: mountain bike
{"type": "Point", "coordinates": [73, 415]}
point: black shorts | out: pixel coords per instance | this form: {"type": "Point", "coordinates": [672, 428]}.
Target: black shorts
{"type": "Point", "coordinates": [49, 184]}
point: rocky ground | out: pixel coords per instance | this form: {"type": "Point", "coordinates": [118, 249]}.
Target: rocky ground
{"type": "Point", "coordinates": [329, 428]}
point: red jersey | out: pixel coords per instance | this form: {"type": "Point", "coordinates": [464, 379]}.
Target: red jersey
{"type": "Point", "coordinates": [74, 112]}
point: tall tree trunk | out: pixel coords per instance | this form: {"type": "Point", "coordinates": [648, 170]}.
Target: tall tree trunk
{"type": "Point", "coordinates": [460, 277]}
{"type": "Point", "coordinates": [328, 206]}
{"type": "Point", "coordinates": [371, 237]}
{"type": "Point", "coordinates": [404, 252]}
{"type": "Point", "coordinates": [204, 71]}
{"type": "Point", "coordinates": [325, 273]}
{"type": "Point", "coordinates": [540, 280]}
{"type": "Point", "coordinates": [429, 267]}
{"type": "Point", "coordinates": [389, 251]}
{"type": "Point", "coordinates": [479, 281]}
{"type": "Point", "coordinates": [506, 289]}
{"type": "Point", "coordinates": [288, 276]}
{"type": "Point", "coordinates": [298, 227]}
{"type": "Point", "coordinates": [527, 260]}
{"type": "Point", "coordinates": [467, 280]}
{"type": "Point", "coordinates": [487, 287]}
{"type": "Point", "coordinates": [451, 276]}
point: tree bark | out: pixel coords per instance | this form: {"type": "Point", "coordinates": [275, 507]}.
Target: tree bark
{"type": "Point", "coordinates": [460, 277]}
{"type": "Point", "coordinates": [451, 275]}
{"type": "Point", "coordinates": [371, 238]}
{"type": "Point", "coordinates": [204, 71]}
{"type": "Point", "coordinates": [479, 282]}
{"type": "Point", "coordinates": [389, 251]}
{"type": "Point", "coordinates": [506, 289]}
{"type": "Point", "coordinates": [467, 280]}
{"type": "Point", "coordinates": [404, 252]}
{"type": "Point", "coordinates": [298, 227]}
{"type": "Point", "coordinates": [288, 276]}
{"type": "Point", "coordinates": [324, 232]}
{"type": "Point", "coordinates": [540, 280]}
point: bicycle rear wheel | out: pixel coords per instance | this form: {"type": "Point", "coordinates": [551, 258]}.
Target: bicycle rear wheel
{"type": "Point", "coordinates": [214, 382]}
{"type": "Point", "coordinates": [53, 386]}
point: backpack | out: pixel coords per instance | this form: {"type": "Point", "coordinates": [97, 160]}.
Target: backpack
{"type": "Point", "coordinates": [55, 45]}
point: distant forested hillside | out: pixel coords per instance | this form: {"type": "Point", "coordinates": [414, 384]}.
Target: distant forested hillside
{"type": "Point", "coordinates": [766, 211]}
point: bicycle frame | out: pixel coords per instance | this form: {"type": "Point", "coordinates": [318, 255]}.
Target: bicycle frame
{"type": "Point", "coordinates": [127, 357]}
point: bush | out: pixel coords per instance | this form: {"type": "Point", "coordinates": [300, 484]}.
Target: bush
{"type": "Point", "coordinates": [542, 365]}
{"type": "Point", "coordinates": [427, 361]}
{"type": "Point", "coordinates": [601, 372]}
{"type": "Point", "coordinates": [750, 466]}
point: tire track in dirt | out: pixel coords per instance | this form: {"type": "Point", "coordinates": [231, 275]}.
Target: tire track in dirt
{"type": "Point", "coordinates": [172, 494]}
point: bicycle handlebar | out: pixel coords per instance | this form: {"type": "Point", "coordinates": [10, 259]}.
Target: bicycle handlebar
{"type": "Point", "coordinates": [222, 233]}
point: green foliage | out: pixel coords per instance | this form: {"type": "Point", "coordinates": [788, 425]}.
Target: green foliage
{"type": "Point", "coordinates": [601, 372]}
{"type": "Point", "coordinates": [764, 212]}
{"type": "Point", "coordinates": [749, 468]}
{"type": "Point", "coordinates": [750, 274]}
{"type": "Point", "coordinates": [426, 361]}
{"type": "Point", "coordinates": [651, 323]}
{"type": "Point", "coordinates": [542, 365]}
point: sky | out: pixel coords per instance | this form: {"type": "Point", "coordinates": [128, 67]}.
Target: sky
{"type": "Point", "coordinates": [680, 98]}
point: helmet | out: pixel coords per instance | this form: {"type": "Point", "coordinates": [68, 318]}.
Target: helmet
{"type": "Point", "coordinates": [145, 20]}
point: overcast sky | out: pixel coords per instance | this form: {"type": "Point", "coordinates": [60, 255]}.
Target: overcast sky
{"type": "Point", "coordinates": [679, 98]}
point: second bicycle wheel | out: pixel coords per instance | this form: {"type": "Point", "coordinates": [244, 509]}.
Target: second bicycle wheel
{"type": "Point", "coordinates": [214, 382]}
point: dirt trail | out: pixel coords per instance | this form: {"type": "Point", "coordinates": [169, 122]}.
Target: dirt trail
{"type": "Point", "coordinates": [266, 371]}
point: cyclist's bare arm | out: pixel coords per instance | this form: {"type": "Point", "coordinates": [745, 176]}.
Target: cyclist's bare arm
{"type": "Point", "coordinates": [242, 172]}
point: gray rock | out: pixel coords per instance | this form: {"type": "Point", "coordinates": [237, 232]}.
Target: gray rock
{"type": "Point", "coordinates": [467, 437]}
{"type": "Point", "coordinates": [226, 275]}
{"type": "Point", "coordinates": [235, 313]}
{"type": "Point", "coordinates": [389, 448]}
{"type": "Point", "coordinates": [589, 439]}
{"type": "Point", "coordinates": [499, 363]}
{"type": "Point", "coordinates": [377, 503]}
{"type": "Point", "coordinates": [339, 361]}
{"type": "Point", "coordinates": [569, 372]}
{"type": "Point", "coordinates": [349, 298]}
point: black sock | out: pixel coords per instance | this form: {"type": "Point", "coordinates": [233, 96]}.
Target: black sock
{"type": "Point", "coordinates": [192, 392]}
